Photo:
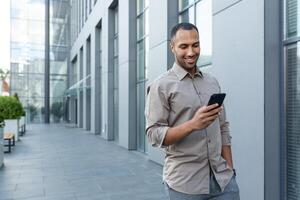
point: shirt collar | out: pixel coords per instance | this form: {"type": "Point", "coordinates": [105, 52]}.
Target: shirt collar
{"type": "Point", "coordinates": [181, 72]}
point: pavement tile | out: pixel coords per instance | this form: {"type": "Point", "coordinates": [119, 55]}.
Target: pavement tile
{"type": "Point", "coordinates": [55, 162]}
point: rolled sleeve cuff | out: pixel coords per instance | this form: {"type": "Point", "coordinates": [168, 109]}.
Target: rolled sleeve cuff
{"type": "Point", "coordinates": [226, 140]}
{"type": "Point", "coordinates": [156, 136]}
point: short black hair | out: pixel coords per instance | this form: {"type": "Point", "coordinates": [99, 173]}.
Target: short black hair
{"type": "Point", "coordinates": [183, 26]}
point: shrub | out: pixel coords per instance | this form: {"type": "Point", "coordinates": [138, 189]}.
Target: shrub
{"type": "Point", "coordinates": [57, 110]}
{"type": "Point", "coordinates": [10, 108]}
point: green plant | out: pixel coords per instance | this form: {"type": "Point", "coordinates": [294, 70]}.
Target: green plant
{"type": "Point", "coordinates": [32, 111]}
{"type": "Point", "coordinates": [57, 110]}
{"type": "Point", "coordinates": [3, 74]}
{"type": "Point", "coordinates": [16, 96]}
{"type": "Point", "coordinates": [10, 108]}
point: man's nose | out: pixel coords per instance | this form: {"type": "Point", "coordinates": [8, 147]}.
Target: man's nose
{"type": "Point", "coordinates": [190, 51]}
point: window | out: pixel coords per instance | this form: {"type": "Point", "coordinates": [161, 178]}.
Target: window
{"type": "Point", "coordinates": [292, 101]}
{"type": "Point", "coordinates": [116, 73]}
{"type": "Point", "coordinates": [90, 6]}
{"type": "Point", "coordinates": [142, 66]}
{"type": "Point", "coordinates": [199, 12]}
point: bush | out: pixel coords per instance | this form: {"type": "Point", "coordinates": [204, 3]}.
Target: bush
{"type": "Point", "coordinates": [16, 96]}
{"type": "Point", "coordinates": [32, 111]}
{"type": "Point", "coordinates": [10, 108]}
{"type": "Point", "coordinates": [57, 110]}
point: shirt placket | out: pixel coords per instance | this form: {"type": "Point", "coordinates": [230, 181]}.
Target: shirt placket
{"type": "Point", "coordinates": [194, 81]}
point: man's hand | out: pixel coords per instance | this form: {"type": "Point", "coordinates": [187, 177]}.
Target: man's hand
{"type": "Point", "coordinates": [202, 118]}
{"type": "Point", "coordinates": [205, 116]}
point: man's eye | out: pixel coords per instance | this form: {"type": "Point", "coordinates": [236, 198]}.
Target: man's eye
{"type": "Point", "coordinates": [183, 47]}
{"type": "Point", "coordinates": [196, 45]}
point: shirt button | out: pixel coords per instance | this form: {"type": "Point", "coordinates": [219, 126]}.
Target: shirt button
{"type": "Point", "coordinates": [208, 140]}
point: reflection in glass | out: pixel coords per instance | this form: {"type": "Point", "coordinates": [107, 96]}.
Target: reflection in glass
{"type": "Point", "coordinates": [185, 3]}
{"type": "Point", "coordinates": [28, 56]}
{"type": "Point", "coordinates": [188, 16]}
{"type": "Point", "coordinates": [140, 6]}
{"type": "Point", "coordinates": [59, 40]}
{"type": "Point", "coordinates": [204, 25]}
{"type": "Point", "coordinates": [292, 121]}
{"type": "Point", "coordinates": [142, 21]}
{"type": "Point", "coordinates": [291, 18]}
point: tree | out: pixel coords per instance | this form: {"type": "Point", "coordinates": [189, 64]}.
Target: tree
{"type": "Point", "coordinates": [3, 74]}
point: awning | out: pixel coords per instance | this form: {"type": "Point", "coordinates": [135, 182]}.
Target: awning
{"type": "Point", "coordinates": [79, 86]}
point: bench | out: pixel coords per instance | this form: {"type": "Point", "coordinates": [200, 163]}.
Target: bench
{"type": "Point", "coordinates": [10, 137]}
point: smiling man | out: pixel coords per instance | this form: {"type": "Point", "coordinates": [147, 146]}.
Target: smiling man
{"type": "Point", "coordinates": [195, 137]}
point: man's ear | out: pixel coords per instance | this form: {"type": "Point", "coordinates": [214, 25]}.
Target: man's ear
{"type": "Point", "coordinates": [172, 46]}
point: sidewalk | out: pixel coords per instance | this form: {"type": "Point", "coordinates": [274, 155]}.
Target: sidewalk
{"type": "Point", "coordinates": [54, 162]}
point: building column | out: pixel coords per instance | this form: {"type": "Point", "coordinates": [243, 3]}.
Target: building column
{"type": "Point", "coordinates": [107, 78]}
{"type": "Point", "coordinates": [127, 71]}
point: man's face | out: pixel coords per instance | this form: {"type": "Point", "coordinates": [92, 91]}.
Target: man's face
{"type": "Point", "coordinates": [186, 48]}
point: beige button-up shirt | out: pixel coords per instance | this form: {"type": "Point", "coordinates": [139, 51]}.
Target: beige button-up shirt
{"type": "Point", "coordinates": [173, 99]}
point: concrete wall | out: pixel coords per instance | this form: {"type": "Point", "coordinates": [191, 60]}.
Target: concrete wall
{"type": "Point", "coordinates": [238, 63]}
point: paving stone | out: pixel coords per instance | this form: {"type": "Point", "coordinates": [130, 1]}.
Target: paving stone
{"type": "Point", "coordinates": [55, 162]}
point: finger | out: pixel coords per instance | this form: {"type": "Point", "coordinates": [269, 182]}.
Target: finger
{"type": "Point", "coordinates": [212, 112]}
{"type": "Point", "coordinates": [210, 118]}
{"type": "Point", "coordinates": [211, 107]}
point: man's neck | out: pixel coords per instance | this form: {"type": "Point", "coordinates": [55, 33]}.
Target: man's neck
{"type": "Point", "coordinates": [192, 71]}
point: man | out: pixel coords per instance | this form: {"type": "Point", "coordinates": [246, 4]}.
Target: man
{"type": "Point", "coordinates": [198, 161]}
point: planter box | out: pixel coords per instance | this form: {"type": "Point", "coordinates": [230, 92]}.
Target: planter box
{"type": "Point", "coordinates": [1, 147]}
{"type": "Point", "coordinates": [22, 121]}
{"type": "Point", "coordinates": [12, 126]}
{"type": "Point", "coordinates": [22, 126]}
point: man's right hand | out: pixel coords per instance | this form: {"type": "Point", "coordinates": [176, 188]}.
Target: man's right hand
{"type": "Point", "coordinates": [205, 116]}
{"type": "Point", "coordinates": [202, 118]}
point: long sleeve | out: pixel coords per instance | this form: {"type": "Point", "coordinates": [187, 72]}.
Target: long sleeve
{"type": "Point", "coordinates": [157, 113]}
{"type": "Point", "coordinates": [224, 126]}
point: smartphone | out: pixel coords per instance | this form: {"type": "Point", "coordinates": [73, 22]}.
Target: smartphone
{"type": "Point", "coordinates": [216, 98]}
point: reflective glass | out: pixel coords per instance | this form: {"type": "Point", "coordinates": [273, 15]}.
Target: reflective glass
{"type": "Point", "coordinates": [140, 27]}
{"type": "Point", "coordinates": [184, 3]}
{"type": "Point", "coordinates": [58, 35]}
{"type": "Point", "coordinates": [116, 99]}
{"type": "Point", "coordinates": [57, 109]}
{"type": "Point", "coordinates": [74, 78]}
{"type": "Point", "coordinates": [58, 85]}
{"type": "Point", "coordinates": [292, 121]}
{"type": "Point", "coordinates": [141, 116]}
{"type": "Point", "coordinates": [116, 18]}
{"type": "Point", "coordinates": [188, 16]}
{"type": "Point", "coordinates": [116, 46]}
{"type": "Point", "coordinates": [204, 25]}
{"type": "Point", "coordinates": [291, 17]}
{"type": "Point", "coordinates": [142, 66]}
{"type": "Point", "coordinates": [140, 6]}
{"type": "Point", "coordinates": [28, 55]}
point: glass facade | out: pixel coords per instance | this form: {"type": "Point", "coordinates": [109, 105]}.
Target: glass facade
{"type": "Point", "coordinates": [292, 100]}
{"type": "Point", "coordinates": [199, 12]}
{"type": "Point", "coordinates": [74, 21]}
{"type": "Point", "coordinates": [59, 48]}
{"type": "Point", "coordinates": [142, 66]}
{"type": "Point", "coordinates": [28, 56]}
{"type": "Point", "coordinates": [28, 33]}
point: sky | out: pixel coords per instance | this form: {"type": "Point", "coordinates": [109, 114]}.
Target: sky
{"type": "Point", "coordinates": [5, 34]}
